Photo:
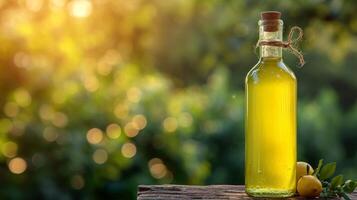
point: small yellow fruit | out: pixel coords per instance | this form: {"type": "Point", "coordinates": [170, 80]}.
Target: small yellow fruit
{"type": "Point", "coordinates": [309, 186]}
{"type": "Point", "coordinates": [302, 169]}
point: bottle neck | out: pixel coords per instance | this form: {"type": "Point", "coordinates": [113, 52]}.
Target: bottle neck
{"type": "Point", "coordinates": [267, 34]}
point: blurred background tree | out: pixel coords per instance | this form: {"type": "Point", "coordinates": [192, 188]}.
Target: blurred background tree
{"type": "Point", "coordinates": [100, 96]}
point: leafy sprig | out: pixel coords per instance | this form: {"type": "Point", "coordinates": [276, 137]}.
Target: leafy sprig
{"type": "Point", "coordinates": [333, 186]}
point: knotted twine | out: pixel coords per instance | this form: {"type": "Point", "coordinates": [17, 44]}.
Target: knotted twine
{"type": "Point", "coordinates": [290, 45]}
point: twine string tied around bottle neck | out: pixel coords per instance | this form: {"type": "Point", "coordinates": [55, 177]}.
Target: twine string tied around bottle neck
{"type": "Point", "coordinates": [291, 44]}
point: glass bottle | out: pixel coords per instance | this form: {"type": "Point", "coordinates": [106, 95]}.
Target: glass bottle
{"type": "Point", "coordinates": [270, 118]}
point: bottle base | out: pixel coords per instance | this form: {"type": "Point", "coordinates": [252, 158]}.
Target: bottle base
{"type": "Point", "coordinates": [259, 192]}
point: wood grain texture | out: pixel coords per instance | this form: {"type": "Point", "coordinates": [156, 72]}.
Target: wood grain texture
{"type": "Point", "coordinates": [186, 192]}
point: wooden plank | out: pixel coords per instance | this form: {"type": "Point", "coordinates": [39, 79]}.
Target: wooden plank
{"type": "Point", "coordinates": [185, 192]}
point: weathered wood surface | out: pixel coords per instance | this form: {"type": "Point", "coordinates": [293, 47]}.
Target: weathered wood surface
{"type": "Point", "coordinates": [185, 192]}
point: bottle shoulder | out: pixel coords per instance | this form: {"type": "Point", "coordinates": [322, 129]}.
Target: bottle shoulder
{"type": "Point", "coordinates": [270, 71]}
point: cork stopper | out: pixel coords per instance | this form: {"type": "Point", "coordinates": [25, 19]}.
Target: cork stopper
{"type": "Point", "coordinates": [270, 15]}
{"type": "Point", "coordinates": [270, 20]}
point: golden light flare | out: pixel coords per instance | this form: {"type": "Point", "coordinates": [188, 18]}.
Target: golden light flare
{"type": "Point", "coordinates": [128, 150]}
{"type": "Point", "coordinates": [50, 134]}
{"type": "Point", "coordinates": [113, 131]}
{"type": "Point", "coordinates": [77, 182]}
{"type": "Point", "coordinates": [134, 94]}
{"type": "Point", "coordinates": [100, 156]}
{"type": "Point", "coordinates": [94, 136]}
{"type": "Point", "coordinates": [139, 122]}
{"type": "Point", "coordinates": [157, 168]}
{"type": "Point", "coordinates": [11, 109]}
{"type": "Point", "coordinates": [170, 124]}
{"type": "Point", "coordinates": [9, 149]}
{"type": "Point", "coordinates": [80, 8]}
{"type": "Point", "coordinates": [130, 130]}
{"type": "Point", "coordinates": [17, 165]}
{"type": "Point", "coordinates": [22, 97]}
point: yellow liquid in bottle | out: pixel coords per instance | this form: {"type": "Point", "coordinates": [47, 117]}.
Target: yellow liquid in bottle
{"type": "Point", "coordinates": [270, 138]}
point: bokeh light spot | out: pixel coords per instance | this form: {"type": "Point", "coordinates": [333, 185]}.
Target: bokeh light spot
{"type": "Point", "coordinates": [38, 160]}
{"type": "Point", "coordinates": [9, 149]}
{"type": "Point", "coordinates": [154, 161]}
{"type": "Point", "coordinates": [77, 182]}
{"type": "Point", "coordinates": [113, 131]}
{"type": "Point", "coordinates": [139, 122]}
{"type": "Point", "coordinates": [185, 119]}
{"type": "Point", "coordinates": [22, 97]}
{"type": "Point", "coordinates": [11, 109]}
{"type": "Point", "coordinates": [60, 120]}
{"type": "Point", "coordinates": [128, 150]}
{"type": "Point", "coordinates": [34, 5]}
{"type": "Point", "coordinates": [46, 112]}
{"type": "Point", "coordinates": [50, 134]}
{"type": "Point", "coordinates": [17, 127]}
{"type": "Point", "coordinates": [94, 136]}
{"type": "Point", "coordinates": [131, 130]}
{"type": "Point", "coordinates": [106, 63]}
{"type": "Point", "coordinates": [134, 94]}
{"type": "Point", "coordinates": [6, 125]}
{"type": "Point", "coordinates": [157, 168]}
{"type": "Point", "coordinates": [80, 8]}
{"type": "Point", "coordinates": [17, 165]}
{"type": "Point", "coordinates": [170, 124]}
{"type": "Point", "coordinates": [22, 60]}
{"type": "Point", "coordinates": [121, 111]}
{"type": "Point", "coordinates": [91, 83]}
{"type": "Point", "coordinates": [100, 156]}
{"type": "Point", "coordinates": [57, 3]}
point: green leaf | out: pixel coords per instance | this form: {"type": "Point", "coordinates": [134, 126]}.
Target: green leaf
{"type": "Point", "coordinates": [349, 186]}
{"type": "Point", "coordinates": [336, 181]}
{"type": "Point", "coordinates": [317, 170]}
{"type": "Point", "coordinates": [327, 171]}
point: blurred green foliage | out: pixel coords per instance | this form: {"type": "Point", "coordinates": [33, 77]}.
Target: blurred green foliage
{"type": "Point", "coordinates": [162, 84]}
